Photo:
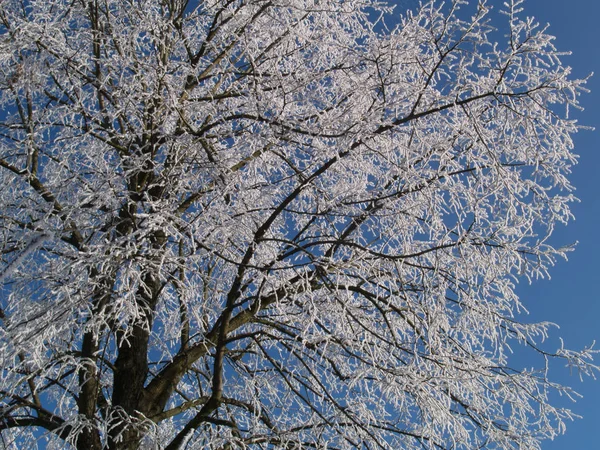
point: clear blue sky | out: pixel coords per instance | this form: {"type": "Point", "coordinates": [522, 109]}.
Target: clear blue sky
{"type": "Point", "coordinates": [571, 297]}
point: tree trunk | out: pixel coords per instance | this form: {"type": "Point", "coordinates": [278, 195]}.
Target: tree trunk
{"type": "Point", "coordinates": [131, 369]}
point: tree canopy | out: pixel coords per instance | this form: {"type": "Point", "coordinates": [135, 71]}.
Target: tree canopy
{"type": "Point", "coordinates": [245, 224]}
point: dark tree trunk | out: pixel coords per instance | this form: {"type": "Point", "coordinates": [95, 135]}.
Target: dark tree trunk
{"type": "Point", "coordinates": [131, 369]}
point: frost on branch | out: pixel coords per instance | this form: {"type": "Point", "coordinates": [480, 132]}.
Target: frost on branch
{"type": "Point", "coordinates": [270, 224]}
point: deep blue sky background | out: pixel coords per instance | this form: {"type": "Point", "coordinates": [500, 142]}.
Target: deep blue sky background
{"type": "Point", "coordinates": [570, 298]}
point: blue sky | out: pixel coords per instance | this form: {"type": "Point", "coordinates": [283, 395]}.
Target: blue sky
{"type": "Point", "coordinates": [571, 297]}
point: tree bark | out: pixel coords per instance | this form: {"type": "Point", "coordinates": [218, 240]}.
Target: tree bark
{"type": "Point", "coordinates": [131, 369]}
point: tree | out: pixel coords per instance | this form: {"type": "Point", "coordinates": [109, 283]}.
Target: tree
{"type": "Point", "coordinates": [277, 224]}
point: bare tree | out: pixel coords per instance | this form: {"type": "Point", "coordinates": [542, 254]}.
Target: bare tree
{"type": "Point", "coordinates": [276, 224]}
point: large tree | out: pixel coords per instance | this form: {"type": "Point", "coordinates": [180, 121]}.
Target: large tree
{"type": "Point", "coordinates": [277, 224]}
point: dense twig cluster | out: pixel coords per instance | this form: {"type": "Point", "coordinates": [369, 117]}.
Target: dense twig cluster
{"type": "Point", "coordinates": [273, 224]}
